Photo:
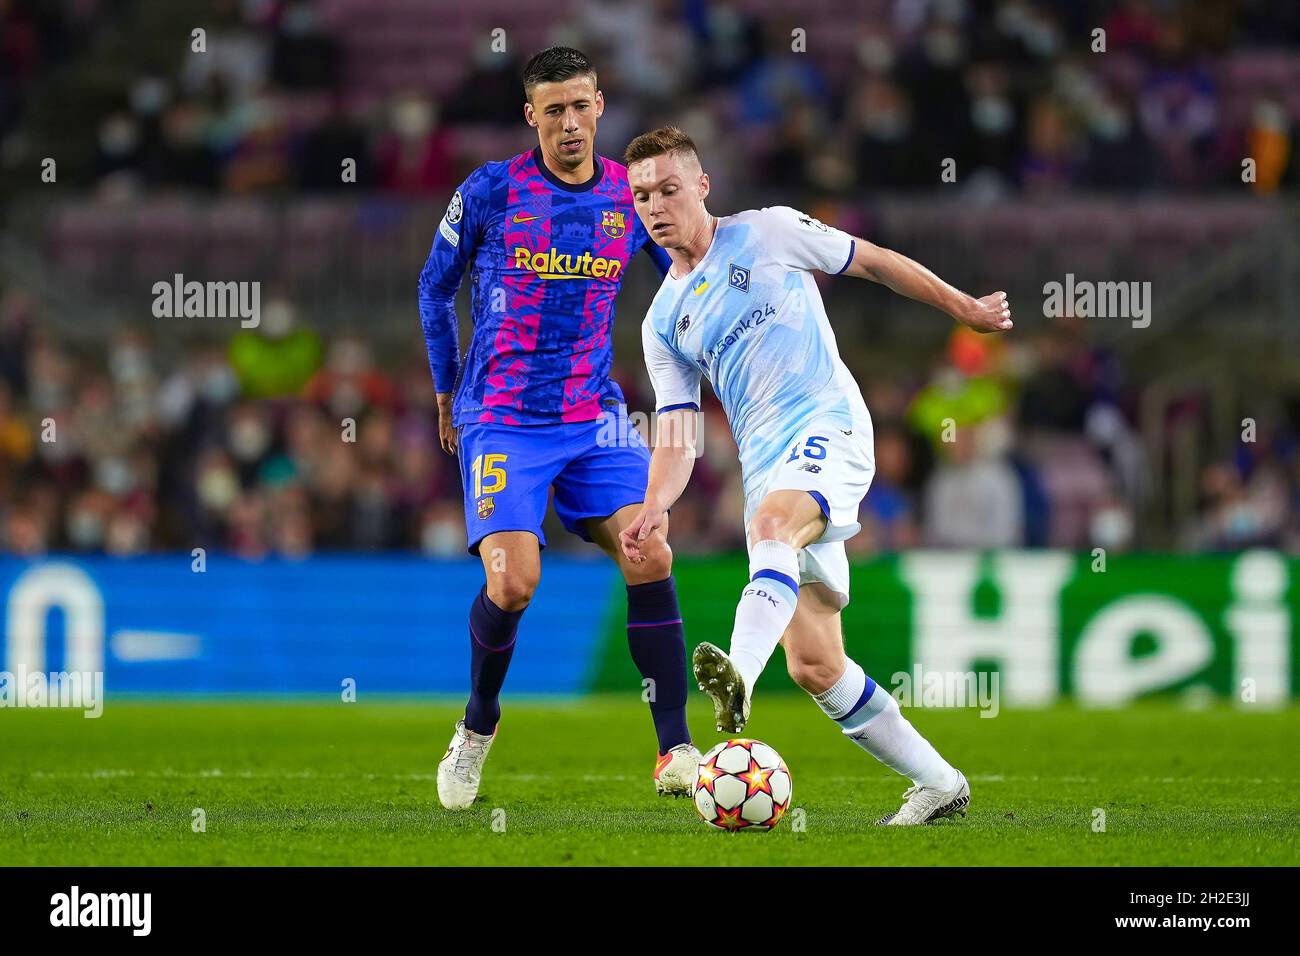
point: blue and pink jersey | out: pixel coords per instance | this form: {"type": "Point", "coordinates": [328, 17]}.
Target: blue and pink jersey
{"type": "Point", "coordinates": [548, 258]}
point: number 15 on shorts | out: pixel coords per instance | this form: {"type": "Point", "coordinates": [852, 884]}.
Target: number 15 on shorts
{"type": "Point", "coordinates": [489, 475]}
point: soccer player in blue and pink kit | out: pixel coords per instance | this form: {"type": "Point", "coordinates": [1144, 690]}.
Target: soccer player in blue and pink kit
{"type": "Point", "coordinates": [549, 235]}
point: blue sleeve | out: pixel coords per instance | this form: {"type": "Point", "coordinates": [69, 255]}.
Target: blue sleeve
{"type": "Point", "coordinates": [459, 234]}
{"type": "Point", "coordinates": [658, 256]}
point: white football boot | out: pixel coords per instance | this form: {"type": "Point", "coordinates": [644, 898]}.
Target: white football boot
{"type": "Point", "coordinates": [927, 804]}
{"type": "Point", "coordinates": [675, 771]}
{"type": "Point", "coordinates": [718, 677]}
{"type": "Point", "coordinates": [461, 768]}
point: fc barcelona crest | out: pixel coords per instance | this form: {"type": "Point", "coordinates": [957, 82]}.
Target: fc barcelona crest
{"type": "Point", "coordinates": [613, 224]}
{"type": "Point", "coordinates": [485, 507]}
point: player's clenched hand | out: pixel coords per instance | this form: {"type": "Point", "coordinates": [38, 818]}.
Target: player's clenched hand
{"type": "Point", "coordinates": [647, 521]}
{"type": "Point", "coordinates": [989, 314]}
{"type": "Point", "coordinates": [446, 431]}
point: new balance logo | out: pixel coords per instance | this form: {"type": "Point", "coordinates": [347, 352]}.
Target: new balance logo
{"type": "Point", "coordinates": [683, 324]}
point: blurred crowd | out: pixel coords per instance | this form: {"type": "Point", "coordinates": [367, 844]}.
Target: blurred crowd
{"type": "Point", "coordinates": [291, 440]}
{"type": "Point", "coordinates": [1016, 92]}
{"type": "Point", "coordinates": [281, 442]}
{"type": "Point", "coordinates": [275, 442]}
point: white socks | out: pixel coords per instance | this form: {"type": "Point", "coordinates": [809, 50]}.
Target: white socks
{"type": "Point", "coordinates": [845, 699]}
{"type": "Point", "coordinates": [866, 713]}
{"type": "Point", "coordinates": [765, 609]}
{"type": "Point", "coordinates": [870, 717]}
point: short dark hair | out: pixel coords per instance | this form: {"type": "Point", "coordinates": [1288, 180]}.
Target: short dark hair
{"type": "Point", "coordinates": [555, 65]}
{"type": "Point", "coordinates": [659, 142]}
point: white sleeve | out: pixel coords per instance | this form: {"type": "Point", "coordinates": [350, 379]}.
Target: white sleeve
{"type": "Point", "coordinates": [799, 241]}
{"type": "Point", "coordinates": [676, 380]}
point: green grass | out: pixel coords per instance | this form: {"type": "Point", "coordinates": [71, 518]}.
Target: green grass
{"type": "Point", "coordinates": [335, 783]}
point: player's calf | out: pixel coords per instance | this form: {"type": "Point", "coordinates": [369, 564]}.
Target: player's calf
{"type": "Point", "coordinates": [767, 605]}
{"type": "Point", "coordinates": [872, 719]}
{"type": "Point", "coordinates": [656, 636]}
{"type": "Point", "coordinates": [813, 676]}
{"type": "Point", "coordinates": [492, 632]}
{"type": "Point", "coordinates": [657, 642]}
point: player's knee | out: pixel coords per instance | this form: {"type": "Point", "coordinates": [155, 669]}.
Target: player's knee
{"type": "Point", "coordinates": [658, 563]}
{"type": "Point", "coordinates": [512, 592]}
{"type": "Point", "coordinates": [769, 526]}
{"type": "Point", "coordinates": [813, 675]}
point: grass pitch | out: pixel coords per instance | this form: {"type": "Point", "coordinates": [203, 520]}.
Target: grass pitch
{"type": "Point", "coordinates": [332, 783]}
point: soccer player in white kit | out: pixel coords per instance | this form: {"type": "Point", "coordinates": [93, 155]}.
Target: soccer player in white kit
{"type": "Point", "coordinates": [740, 307]}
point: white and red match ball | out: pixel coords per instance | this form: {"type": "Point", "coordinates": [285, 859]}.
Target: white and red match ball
{"type": "Point", "coordinates": [742, 784]}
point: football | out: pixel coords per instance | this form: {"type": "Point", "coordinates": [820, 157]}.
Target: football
{"type": "Point", "coordinates": [742, 784]}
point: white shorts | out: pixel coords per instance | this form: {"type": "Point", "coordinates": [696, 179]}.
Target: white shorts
{"type": "Point", "coordinates": [835, 466]}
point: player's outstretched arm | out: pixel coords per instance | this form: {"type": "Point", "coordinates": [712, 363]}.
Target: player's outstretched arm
{"type": "Point", "coordinates": [908, 277]}
{"type": "Point", "coordinates": [671, 465]}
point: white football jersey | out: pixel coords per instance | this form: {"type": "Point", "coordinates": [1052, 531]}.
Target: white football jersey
{"type": "Point", "coordinates": [750, 319]}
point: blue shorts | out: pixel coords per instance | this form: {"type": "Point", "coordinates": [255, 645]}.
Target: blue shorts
{"type": "Point", "coordinates": [507, 472]}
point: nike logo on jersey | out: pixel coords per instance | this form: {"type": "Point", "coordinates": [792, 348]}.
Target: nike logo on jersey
{"type": "Point", "coordinates": [520, 217]}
